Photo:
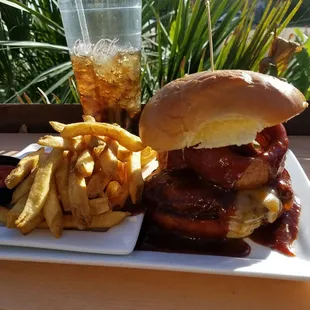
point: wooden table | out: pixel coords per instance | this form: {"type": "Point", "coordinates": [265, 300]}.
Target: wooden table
{"type": "Point", "coordinates": [43, 286]}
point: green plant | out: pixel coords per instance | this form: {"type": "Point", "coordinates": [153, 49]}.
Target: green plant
{"type": "Point", "coordinates": [298, 72]}
{"type": "Point", "coordinates": [34, 58]}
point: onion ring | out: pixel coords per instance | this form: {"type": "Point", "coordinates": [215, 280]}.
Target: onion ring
{"type": "Point", "coordinates": [242, 167]}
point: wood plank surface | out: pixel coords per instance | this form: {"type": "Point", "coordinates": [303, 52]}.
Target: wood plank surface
{"type": "Point", "coordinates": [32, 286]}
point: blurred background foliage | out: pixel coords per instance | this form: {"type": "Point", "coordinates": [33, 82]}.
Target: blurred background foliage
{"type": "Point", "coordinates": [35, 64]}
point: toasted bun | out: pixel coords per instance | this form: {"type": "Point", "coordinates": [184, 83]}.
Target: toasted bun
{"type": "Point", "coordinates": [215, 109]}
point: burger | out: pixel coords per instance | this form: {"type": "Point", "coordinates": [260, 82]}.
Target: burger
{"type": "Point", "coordinates": [221, 153]}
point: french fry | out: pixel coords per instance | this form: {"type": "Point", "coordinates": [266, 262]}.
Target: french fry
{"type": "Point", "coordinates": [78, 196]}
{"type": "Point", "coordinates": [120, 174]}
{"type": "Point", "coordinates": [23, 168]}
{"type": "Point", "coordinates": [108, 162]}
{"type": "Point", "coordinates": [74, 144]}
{"type": "Point", "coordinates": [113, 190]}
{"type": "Point", "coordinates": [123, 154]}
{"type": "Point", "coordinates": [16, 211]}
{"type": "Point", "coordinates": [39, 189]}
{"type": "Point", "coordinates": [61, 177]}
{"type": "Point", "coordinates": [99, 205]}
{"type": "Point", "coordinates": [135, 179]}
{"type": "Point", "coordinates": [96, 185]}
{"type": "Point", "coordinates": [3, 215]}
{"type": "Point", "coordinates": [112, 144]}
{"type": "Point", "coordinates": [57, 126]}
{"type": "Point", "coordinates": [148, 158]}
{"type": "Point", "coordinates": [52, 211]}
{"type": "Point", "coordinates": [88, 119]}
{"type": "Point", "coordinates": [108, 219]}
{"type": "Point", "coordinates": [118, 202]}
{"type": "Point", "coordinates": [24, 187]}
{"type": "Point", "coordinates": [85, 164]}
{"type": "Point", "coordinates": [122, 136]}
{"type": "Point", "coordinates": [32, 224]}
{"type": "Point", "coordinates": [99, 149]}
{"type": "Point", "coordinates": [100, 221]}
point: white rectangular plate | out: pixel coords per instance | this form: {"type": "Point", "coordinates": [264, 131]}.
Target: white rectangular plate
{"type": "Point", "coordinates": [262, 262]}
{"type": "Point", "coordinates": [119, 240]}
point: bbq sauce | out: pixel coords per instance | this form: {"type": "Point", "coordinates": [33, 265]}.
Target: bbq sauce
{"type": "Point", "coordinates": [280, 235]}
{"type": "Point", "coordinates": [157, 239]}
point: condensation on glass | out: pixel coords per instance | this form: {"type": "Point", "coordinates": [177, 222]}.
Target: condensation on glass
{"type": "Point", "coordinates": [105, 56]}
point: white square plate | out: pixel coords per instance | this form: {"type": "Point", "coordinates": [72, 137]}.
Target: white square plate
{"type": "Point", "coordinates": [119, 240]}
{"type": "Point", "coordinates": [262, 262]}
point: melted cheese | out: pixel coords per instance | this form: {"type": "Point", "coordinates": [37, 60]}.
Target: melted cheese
{"type": "Point", "coordinates": [252, 208]}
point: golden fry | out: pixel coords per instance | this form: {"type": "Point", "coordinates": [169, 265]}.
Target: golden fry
{"type": "Point", "coordinates": [135, 179]}
{"type": "Point", "coordinates": [113, 190]}
{"type": "Point", "coordinates": [52, 211]}
{"type": "Point", "coordinates": [88, 119]}
{"type": "Point", "coordinates": [128, 140]}
{"type": "Point", "coordinates": [85, 164]}
{"type": "Point", "coordinates": [120, 174]}
{"type": "Point", "coordinates": [108, 220]}
{"type": "Point", "coordinates": [40, 188]}
{"type": "Point", "coordinates": [96, 185]}
{"type": "Point", "coordinates": [3, 215]}
{"type": "Point", "coordinates": [99, 149]}
{"type": "Point", "coordinates": [118, 202]}
{"type": "Point", "coordinates": [100, 221]}
{"type": "Point", "coordinates": [16, 211]}
{"type": "Point", "coordinates": [74, 144]}
{"type": "Point", "coordinates": [23, 168]}
{"type": "Point", "coordinates": [61, 177]}
{"type": "Point", "coordinates": [24, 187]}
{"type": "Point", "coordinates": [123, 154]}
{"type": "Point", "coordinates": [57, 126]}
{"type": "Point", "coordinates": [112, 144]}
{"type": "Point", "coordinates": [108, 162]}
{"type": "Point", "coordinates": [148, 158]}
{"type": "Point", "coordinates": [99, 205]}
{"type": "Point", "coordinates": [78, 197]}
{"type": "Point", "coordinates": [32, 224]}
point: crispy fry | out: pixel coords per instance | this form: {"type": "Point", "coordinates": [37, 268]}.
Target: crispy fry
{"type": "Point", "coordinates": [40, 188]}
{"type": "Point", "coordinates": [23, 168]}
{"type": "Point", "coordinates": [57, 126]}
{"type": "Point", "coordinates": [112, 144]}
{"type": "Point", "coordinates": [113, 190]}
{"type": "Point", "coordinates": [24, 187]}
{"type": "Point", "coordinates": [74, 144]}
{"type": "Point", "coordinates": [32, 224]}
{"type": "Point", "coordinates": [3, 215]}
{"type": "Point", "coordinates": [108, 162]}
{"type": "Point", "coordinates": [148, 158]}
{"type": "Point", "coordinates": [135, 179]}
{"type": "Point", "coordinates": [100, 221]}
{"type": "Point", "coordinates": [96, 185]}
{"type": "Point", "coordinates": [108, 220]}
{"type": "Point", "coordinates": [61, 177]}
{"type": "Point", "coordinates": [78, 196]}
{"type": "Point", "coordinates": [99, 149]}
{"type": "Point", "coordinates": [85, 164]}
{"type": "Point", "coordinates": [118, 202]}
{"type": "Point", "coordinates": [120, 174]}
{"type": "Point", "coordinates": [123, 154]}
{"type": "Point", "coordinates": [88, 119]}
{"type": "Point", "coordinates": [52, 211]}
{"type": "Point", "coordinates": [16, 211]}
{"type": "Point", "coordinates": [128, 140]}
{"type": "Point", "coordinates": [99, 205]}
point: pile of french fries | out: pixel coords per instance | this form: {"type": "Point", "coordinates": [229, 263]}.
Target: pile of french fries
{"type": "Point", "coordinates": [83, 183]}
